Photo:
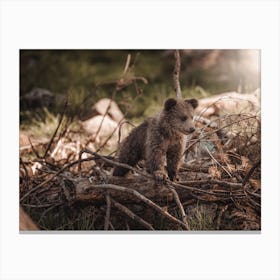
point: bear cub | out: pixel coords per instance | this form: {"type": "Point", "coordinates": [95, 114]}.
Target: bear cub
{"type": "Point", "coordinates": [159, 140]}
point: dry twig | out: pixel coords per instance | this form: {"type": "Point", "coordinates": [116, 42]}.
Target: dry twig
{"type": "Point", "coordinates": [132, 215]}
{"type": "Point", "coordinates": [56, 130]}
{"type": "Point", "coordinates": [180, 206]}
{"type": "Point", "coordinates": [250, 172]}
{"type": "Point", "coordinates": [139, 196]}
{"type": "Point", "coordinates": [108, 211]}
{"type": "Point", "coordinates": [176, 74]}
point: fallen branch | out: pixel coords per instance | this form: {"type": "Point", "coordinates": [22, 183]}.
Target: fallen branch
{"type": "Point", "coordinates": [180, 206]}
{"type": "Point", "coordinates": [215, 131]}
{"type": "Point", "coordinates": [108, 211]}
{"type": "Point", "coordinates": [221, 211]}
{"type": "Point", "coordinates": [132, 215]}
{"type": "Point", "coordinates": [140, 197]}
{"type": "Point", "coordinates": [33, 148]}
{"type": "Point", "coordinates": [114, 163]}
{"type": "Point", "coordinates": [56, 130]}
{"type": "Point", "coordinates": [250, 172]}
{"type": "Point", "coordinates": [211, 155]}
{"type": "Point", "coordinates": [49, 180]}
{"type": "Point", "coordinates": [211, 182]}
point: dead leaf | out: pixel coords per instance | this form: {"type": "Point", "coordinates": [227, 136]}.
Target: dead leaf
{"type": "Point", "coordinates": [214, 172]}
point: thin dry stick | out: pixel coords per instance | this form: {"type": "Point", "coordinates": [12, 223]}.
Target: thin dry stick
{"type": "Point", "coordinates": [252, 201]}
{"type": "Point", "coordinates": [113, 96]}
{"type": "Point", "coordinates": [240, 117]}
{"type": "Point", "coordinates": [110, 136]}
{"type": "Point", "coordinates": [115, 129]}
{"type": "Point", "coordinates": [80, 163]}
{"type": "Point", "coordinates": [56, 130]}
{"type": "Point", "coordinates": [214, 131]}
{"type": "Point", "coordinates": [203, 110]}
{"type": "Point", "coordinates": [48, 210]}
{"type": "Point", "coordinates": [33, 149]}
{"type": "Point", "coordinates": [191, 189]}
{"type": "Point", "coordinates": [120, 130]}
{"type": "Point", "coordinates": [24, 168]}
{"type": "Point", "coordinates": [220, 214]}
{"type": "Point", "coordinates": [116, 163]}
{"type": "Point", "coordinates": [106, 113]}
{"type": "Point", "coordinates": [139, 196]}
{"type": "Point", "coordinates": [121, 121]}
{"type": "Point", "coordinates": [132, 215]}
{"type": "Point", "coordinates": [37, 206]}
{"type": "Point", "coordinates": [250, 172]}
{"type": "Point", "coordinates": [206, 122]}
{"type": "Point", "coordinates": [213, 123]}
{"type": "Point", "coordinates": [127, 63]}
{"type": "Point", "coordinates": [211, 182]}
{"type": "Point", "coordinates": [181, 208]}
{"type": "Point", "coordinates": [253, 194]}
{"type": "Point", "coordinates": [108, 211]}
{"type": "Point", "coordinates": [57, 147]}
{"type": "Point", "coordinates": [51, 178]}
{"type": "Point", "coordinates": [176, 74]}
{"type": "Point", "coordinates": [210, 154]}
{"type": "Point", "coordinates": [199, 115]}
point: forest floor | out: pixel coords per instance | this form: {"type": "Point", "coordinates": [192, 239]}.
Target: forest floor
{"type": "Point", "coordinates": [66, 181]}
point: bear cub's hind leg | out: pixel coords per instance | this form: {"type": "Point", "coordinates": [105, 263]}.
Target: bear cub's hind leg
{"type": "Point", "coordinates": [132, 149]}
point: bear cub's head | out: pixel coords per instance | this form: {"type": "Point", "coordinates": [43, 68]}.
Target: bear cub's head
{"type": "Point", "coordinates": [179, 114]}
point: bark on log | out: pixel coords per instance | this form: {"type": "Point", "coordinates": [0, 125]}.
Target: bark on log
{"type": "Point", "coordinates": [141, 185]}
{"type": "Point", "coordinates": [83, 189]}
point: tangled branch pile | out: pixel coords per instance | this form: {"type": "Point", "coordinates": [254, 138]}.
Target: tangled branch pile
{"type": "Point", "coordinates": [71, 187]}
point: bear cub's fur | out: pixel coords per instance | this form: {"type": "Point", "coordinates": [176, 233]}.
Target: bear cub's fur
{"type": "Point", "coordinates": [159, 140]}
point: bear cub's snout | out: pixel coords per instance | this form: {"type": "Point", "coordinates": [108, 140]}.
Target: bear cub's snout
{"type": "Point", "coordinates": [192, 129]}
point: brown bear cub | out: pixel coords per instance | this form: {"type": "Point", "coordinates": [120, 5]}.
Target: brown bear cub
{"type": "Point", "coordinates": [159, 140]}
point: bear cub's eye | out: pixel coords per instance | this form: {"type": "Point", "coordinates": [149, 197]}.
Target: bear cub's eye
{"type": "Point", "coordinates": [184, 118]}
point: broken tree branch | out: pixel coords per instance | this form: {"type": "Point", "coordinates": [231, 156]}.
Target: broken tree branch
{"type": "Point", "coordinates": [250, 172]}
{"type": "Point", "coordinates": [56, 130]}
{"type": "Point", "coordinates": [215, 131]}
{"type": "Point", "coordinates": [139, 196]}
{"type": "Point", "coordinates": [181, 208]}
{"type": "Point", "coordinates": [108, 211]}
{"type": "Point", "coordinates": [132, 215]}
{"type": "Point", "coordinates": [176, 74]}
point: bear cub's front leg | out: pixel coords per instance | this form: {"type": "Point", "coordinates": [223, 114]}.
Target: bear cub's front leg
{"type": "Point", "coordinates": [173, 158]}
{"type": "Point", "coordinates": [155, 160]}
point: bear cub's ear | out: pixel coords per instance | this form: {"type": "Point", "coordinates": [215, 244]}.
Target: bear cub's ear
{"type": "Point", "coordinates": [193, 102]}
{"type": "Point", "coordinates": [169, 104]}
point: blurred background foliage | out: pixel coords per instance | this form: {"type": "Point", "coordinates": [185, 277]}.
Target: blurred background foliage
{"type": "Point", "coordinates": [85, 76]}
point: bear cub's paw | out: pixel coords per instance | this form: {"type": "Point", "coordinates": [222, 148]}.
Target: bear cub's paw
{"type": "Point", "coordinates": [160, 177]}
